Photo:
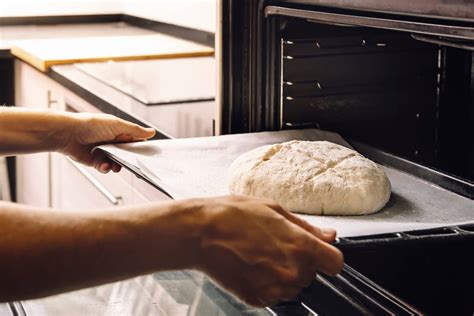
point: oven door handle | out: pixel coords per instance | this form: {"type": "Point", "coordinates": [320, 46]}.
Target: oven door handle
{"type": "Point", "coordinates": [459, 32]}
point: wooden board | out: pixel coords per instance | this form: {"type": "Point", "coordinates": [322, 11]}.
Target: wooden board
{"type": "Point", "coordinates": [44, 53]}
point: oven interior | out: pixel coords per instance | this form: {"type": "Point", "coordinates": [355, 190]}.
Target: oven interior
{"type": "Point", "coordinates": [411, 98]}
{"type": "Point", "coordinates": [398, 100]}
{"type": "Point", "coordinates": [379, 87]}
{"type": "Point", "coordinates": [433, 274]}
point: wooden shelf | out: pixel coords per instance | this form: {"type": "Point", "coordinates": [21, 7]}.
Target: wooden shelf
{"type": "Point", "coordinates": [44, 53]}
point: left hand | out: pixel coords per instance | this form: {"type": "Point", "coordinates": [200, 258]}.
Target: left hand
{"type": "Point", "coordinates": [86, 130]}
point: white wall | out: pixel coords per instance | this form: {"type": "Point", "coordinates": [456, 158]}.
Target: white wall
{"type": "Point", "coordinates": [197, 14]}
{"type": "Point", "coordinates": [58, 7]}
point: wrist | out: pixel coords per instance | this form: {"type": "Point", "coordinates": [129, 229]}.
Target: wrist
{"type": "Point", "coordinates": [192, 219]}
{"type": "Point", "coordinates": [61, 130]}
{"type": "Point", "coordinates": [173, 232]}
{"type": "Point", "coordinates": [27, 130]}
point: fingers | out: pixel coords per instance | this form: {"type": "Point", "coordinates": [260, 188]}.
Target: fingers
{"type": "Point", "coordinates": [326, 234]}
{"type": "Point", "coordinates": [276, 294]}
{"type": "Point", "coordinates": [106, 166]}
{"type": "Point", "coordinates": [116, 167]}
{"type": "Point", "coordinates": [103, 164]}
{"type": "Point", "coordinates": [325, 257]}
{"type": "Point", "coordinates": [275, 259]}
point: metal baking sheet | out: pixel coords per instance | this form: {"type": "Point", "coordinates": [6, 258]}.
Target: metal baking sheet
{"type": "Point", "coordinates": [198, 167]}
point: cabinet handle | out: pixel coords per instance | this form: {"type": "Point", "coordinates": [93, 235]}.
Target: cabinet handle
{"type": "Point", "coordinates": [114, 200]}
{"type": "Point", "coordinates": [51, 101]}
{"type": "Point", "coordinates": [4, 181]}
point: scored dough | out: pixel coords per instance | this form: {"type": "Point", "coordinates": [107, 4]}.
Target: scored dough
{"type": "Point", "coordinates": [319, 178]}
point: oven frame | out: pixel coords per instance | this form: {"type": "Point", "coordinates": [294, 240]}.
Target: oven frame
{"type": "Point", "coordinates": [246, 44]}
{"type": "Point", "coordinates": [247, 48]}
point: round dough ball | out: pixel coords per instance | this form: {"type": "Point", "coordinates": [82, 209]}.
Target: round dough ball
{"type": "Point", "coordinates": [319, 178]}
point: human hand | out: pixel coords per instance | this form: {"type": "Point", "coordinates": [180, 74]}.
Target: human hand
{"type": "Point", "coordinates": [86, 130]}
{"type": "Point", "coordinates": [262, 253]}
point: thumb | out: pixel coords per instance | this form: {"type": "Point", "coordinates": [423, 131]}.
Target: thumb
{"type": "Point", "coordinates": [132, 132]}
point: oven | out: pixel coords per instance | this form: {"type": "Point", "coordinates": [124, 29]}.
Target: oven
{"type": "Point", "coordinates": [395, 79]}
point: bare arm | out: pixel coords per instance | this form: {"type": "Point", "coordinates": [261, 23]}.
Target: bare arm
{"type": "Point", "coordinates": [26, 131]}
{"type": "Point", "coordinates": [251, 247]}
{"type": "Point", "coordinates": [43, 252]}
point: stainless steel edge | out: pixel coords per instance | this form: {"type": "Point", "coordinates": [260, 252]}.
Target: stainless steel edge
{"type": "Point", "coordinates": [460, 10]}
{"type": "Point", "coordinates": [459, 32]}
{"type": "Point", "coordinates": [219, 68]}
{"type": "Point", "coordinates": [379, 290]}
{"type": "Point", "coordinates": [444, 41]}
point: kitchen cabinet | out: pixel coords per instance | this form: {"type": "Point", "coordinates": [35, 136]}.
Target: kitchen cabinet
{"type": "Point", "coordinates": [5, 310]}
{"type": "Point", "coordinates": [53, 180]}
{"type": "Point", "coordinates": [77, 187]}
{"type": "Point", "coordinates": [35, 91]}
{"type": "Point", "coordinates": [4, 181]}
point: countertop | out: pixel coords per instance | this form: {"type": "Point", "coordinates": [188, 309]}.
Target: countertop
{"type": "Point", "coordinates": [160, 81]}
{"type": "Point", "coordinates": [9, 35]}
{"type": "Point", "coordinates": [129, 102]}
{"type": "Point", "coordinates": [113, 101]}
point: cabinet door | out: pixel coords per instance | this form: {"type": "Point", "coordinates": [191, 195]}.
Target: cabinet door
{"type": "Point", "coordinates": [76, 187]}
{"type": "Point", "coordinates": [32, 90]}
{"type": "Point", "coordinates": [33, 180]}
{"type": "Point", "coordinates": [5, 310]}
{"type": "Point", "coordinates": [51, 180]}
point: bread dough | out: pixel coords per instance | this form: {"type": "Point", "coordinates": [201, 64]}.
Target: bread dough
{"type": "Point", "coordinates": [320, 178]}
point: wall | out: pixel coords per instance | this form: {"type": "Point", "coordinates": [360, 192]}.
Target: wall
{"type": "Point", "coordinates": [58, 7]}
{"type": "Point", "coordinates": [197, 14]}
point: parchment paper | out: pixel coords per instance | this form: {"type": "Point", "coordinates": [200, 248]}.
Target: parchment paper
{"type": "Point", "coordinates": [198, 167]}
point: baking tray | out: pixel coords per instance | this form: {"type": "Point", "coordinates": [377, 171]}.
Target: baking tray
{"type": "Point", "coordinates": [198, 167]}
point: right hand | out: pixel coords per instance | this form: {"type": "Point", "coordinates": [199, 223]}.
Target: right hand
{"type": "Point", "coordinates": [262, 253]}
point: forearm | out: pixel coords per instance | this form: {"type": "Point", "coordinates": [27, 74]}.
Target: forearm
{"type": "Point", "coordinates": [43, 252]}
{"type": "Point", "coordinates": [30, 131]}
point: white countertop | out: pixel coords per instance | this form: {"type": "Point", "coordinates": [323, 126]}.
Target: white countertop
{"type": "Point", "coordinates": [9, 35]}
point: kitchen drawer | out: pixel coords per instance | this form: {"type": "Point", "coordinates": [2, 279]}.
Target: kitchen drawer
{"type": "Point", "coordinates": [5, 310]}
{"type": "Point", "coordinates": [75, 186]}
